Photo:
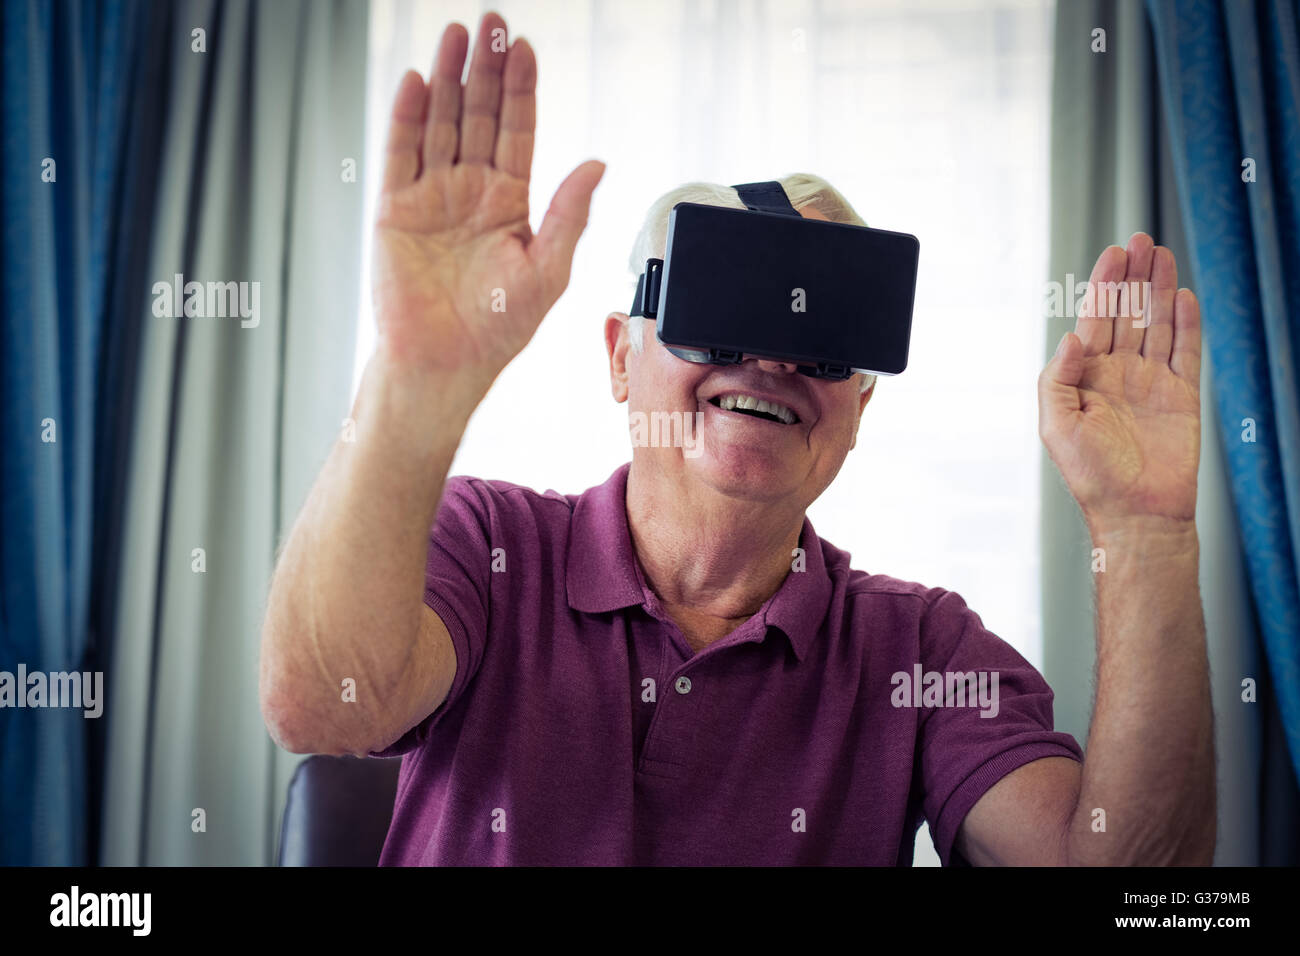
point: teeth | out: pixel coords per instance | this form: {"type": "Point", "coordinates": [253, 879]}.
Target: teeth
{"type": "Point", "coordinates": [732, 402]}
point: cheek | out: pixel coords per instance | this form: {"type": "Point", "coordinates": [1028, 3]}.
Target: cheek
{"type": "Point", "coordinates": [656, 383]}
{"type": "Point", "coordinates": [674, 382]}
{"type": "Point", "coordinates": [837, 423]}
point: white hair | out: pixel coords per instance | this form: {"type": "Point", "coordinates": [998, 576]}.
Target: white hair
{"type": "Point", "coordinates": [803, 189]}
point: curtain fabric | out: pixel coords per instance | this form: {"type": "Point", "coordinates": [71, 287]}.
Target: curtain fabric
{"type": "Point", "coordinates": [1230, 75]}
{"type": "Point", "coordinates": [1231, 80]}
{"type": "Point", "coordinates": [258, 199]}
{"type": "Point", "coordinates": [68, 86]}
{"type": "Point", "coordinates": [1113, 163]}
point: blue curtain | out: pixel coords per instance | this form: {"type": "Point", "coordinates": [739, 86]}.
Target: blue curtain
{"type": "Point", "coordinates": [67, 95]}
{"type": "Point", "coordinates": [1230, 81]}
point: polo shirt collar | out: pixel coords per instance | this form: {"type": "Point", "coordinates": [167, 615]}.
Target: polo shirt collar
{"type": "Point", "coordinates": [602, 574]}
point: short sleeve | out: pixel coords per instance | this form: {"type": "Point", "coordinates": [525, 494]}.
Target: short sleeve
{"type": "Point", "coordinates": [1005, 723]}
{"type": "Point", "coordinates": [456, 588]}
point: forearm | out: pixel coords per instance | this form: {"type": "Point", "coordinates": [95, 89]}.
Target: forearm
{"type": "Point", "coordinates": [1150, 755]}
{"type": "Point", "coordinates": [345, 601]}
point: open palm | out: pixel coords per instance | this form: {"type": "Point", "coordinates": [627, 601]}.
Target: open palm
{"type": "Point", "coordinates": [1119, 406]}
{"type": "Point", "coordinates": [460, 281]}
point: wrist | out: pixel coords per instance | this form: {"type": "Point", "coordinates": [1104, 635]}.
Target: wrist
{"type": "Point", "coordinates": [1153, 534]}
{"type": "Point", "coordinates": [404, 409]}
{"type": "Point", "coordinates": [432, 386]}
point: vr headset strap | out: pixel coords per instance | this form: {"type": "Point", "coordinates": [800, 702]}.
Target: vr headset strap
{"type": "Point", "coordinates": [766, 197]}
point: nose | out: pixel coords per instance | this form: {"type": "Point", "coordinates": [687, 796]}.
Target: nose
{"type": "Point", "coordinates": [770, 365]}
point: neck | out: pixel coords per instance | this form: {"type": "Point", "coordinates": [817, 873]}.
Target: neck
{"type": "Point", "coordinates": [715, 555]}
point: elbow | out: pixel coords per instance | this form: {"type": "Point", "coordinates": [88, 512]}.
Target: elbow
{"type": "Point", "coordinates": [281, 713]}
{"type": "Point", "coordinates": [303, 719]}
{"type": "Point", "coordinates": [287, 729]}
{"type": "Point", "coordinates": [298, 733]}
{"type": "Point", "coordinates": [286, 712]}
{"type": "Point", "coordinates": [296, 727]}
{"type": "Point", "coordinates": [285, 702]}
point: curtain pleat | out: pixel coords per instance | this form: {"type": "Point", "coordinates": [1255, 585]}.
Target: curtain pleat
{"type": "Point", "coordinates": [228, 412]}
{"type": "Point", "coordinates": [1229, 75]}
{"type": "Point", "coordinates": [68, 85]}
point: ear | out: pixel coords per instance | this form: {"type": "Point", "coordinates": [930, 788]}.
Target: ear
{"type": "Point", "coordinates": [617, 345]}
{"type": "Point", "coordinates": [862, 407]}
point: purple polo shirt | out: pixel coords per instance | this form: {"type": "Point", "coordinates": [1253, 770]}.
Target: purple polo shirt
{"type": "Point", "coordinates": [582, 729]}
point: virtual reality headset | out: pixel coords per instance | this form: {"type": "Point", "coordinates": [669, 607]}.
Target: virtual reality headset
{"type": "Point", "coordinates": [763, 281]}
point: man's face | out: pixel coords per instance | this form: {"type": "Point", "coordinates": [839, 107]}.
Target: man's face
{"type": "Point", "coordinates": [739, 454]}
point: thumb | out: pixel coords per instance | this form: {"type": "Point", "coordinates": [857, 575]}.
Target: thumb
{"type": "Point", "coordinates": [1058, 385]}
{"type": "Point", "coordinates": [552, 250]}
{"type": "Point", "coordinates": [1066, 366]}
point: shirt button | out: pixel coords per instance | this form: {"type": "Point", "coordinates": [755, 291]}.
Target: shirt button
{"type": "Point", "coordinates": [683, 685]}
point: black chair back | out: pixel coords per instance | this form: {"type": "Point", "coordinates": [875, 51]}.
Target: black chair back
{"type": "Point", "coordinates": [338, 811]}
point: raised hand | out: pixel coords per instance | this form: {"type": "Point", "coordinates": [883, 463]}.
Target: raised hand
{"type": "Point", "coordinates": [452, 238]}
{"type": "Point", "coordinates": [1119, 405]}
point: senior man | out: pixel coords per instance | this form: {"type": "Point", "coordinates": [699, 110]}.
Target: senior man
{"type": "Point", "coordinates": [673, 667]}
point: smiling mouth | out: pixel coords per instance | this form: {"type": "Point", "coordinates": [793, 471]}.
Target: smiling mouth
{"type": "Point", "coordinates": [756, 408]}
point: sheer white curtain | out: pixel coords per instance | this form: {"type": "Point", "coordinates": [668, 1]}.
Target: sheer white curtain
{"type": "Point", "coordinates": [931, 116]}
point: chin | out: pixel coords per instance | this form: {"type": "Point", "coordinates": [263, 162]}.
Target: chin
{"type": "Point", "coordinates": [740, 472]}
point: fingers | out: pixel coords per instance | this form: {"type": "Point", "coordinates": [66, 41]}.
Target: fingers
{"type": "Point", "coordinates": [482, 101]}
{"type": "Point", "coordinates": [1159, 336]}
{"type": "Point", "coordinates": [1093, 325]}
{"type": "Point", "coordinates": [1186, 361]}
{"type": "Point", "coordinates": [402, 162]}
{"type": "Point", "coordinates": [1128, 323]}
{"type": "Point", "coordinates": [553, 247]}
{"type": "Point", "coordinates": [514, 148]}
{"type": "Point", "coordinates": [442, 126]}
{"type": "Point", "coordinates": [456, 123]}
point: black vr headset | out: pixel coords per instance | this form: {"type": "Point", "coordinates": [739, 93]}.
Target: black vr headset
{"type": "Point", "coordinates": [830, 297]}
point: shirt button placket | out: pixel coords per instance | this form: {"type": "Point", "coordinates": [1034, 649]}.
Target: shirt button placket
{"type": "Point", "coordinates": [673, 727]}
